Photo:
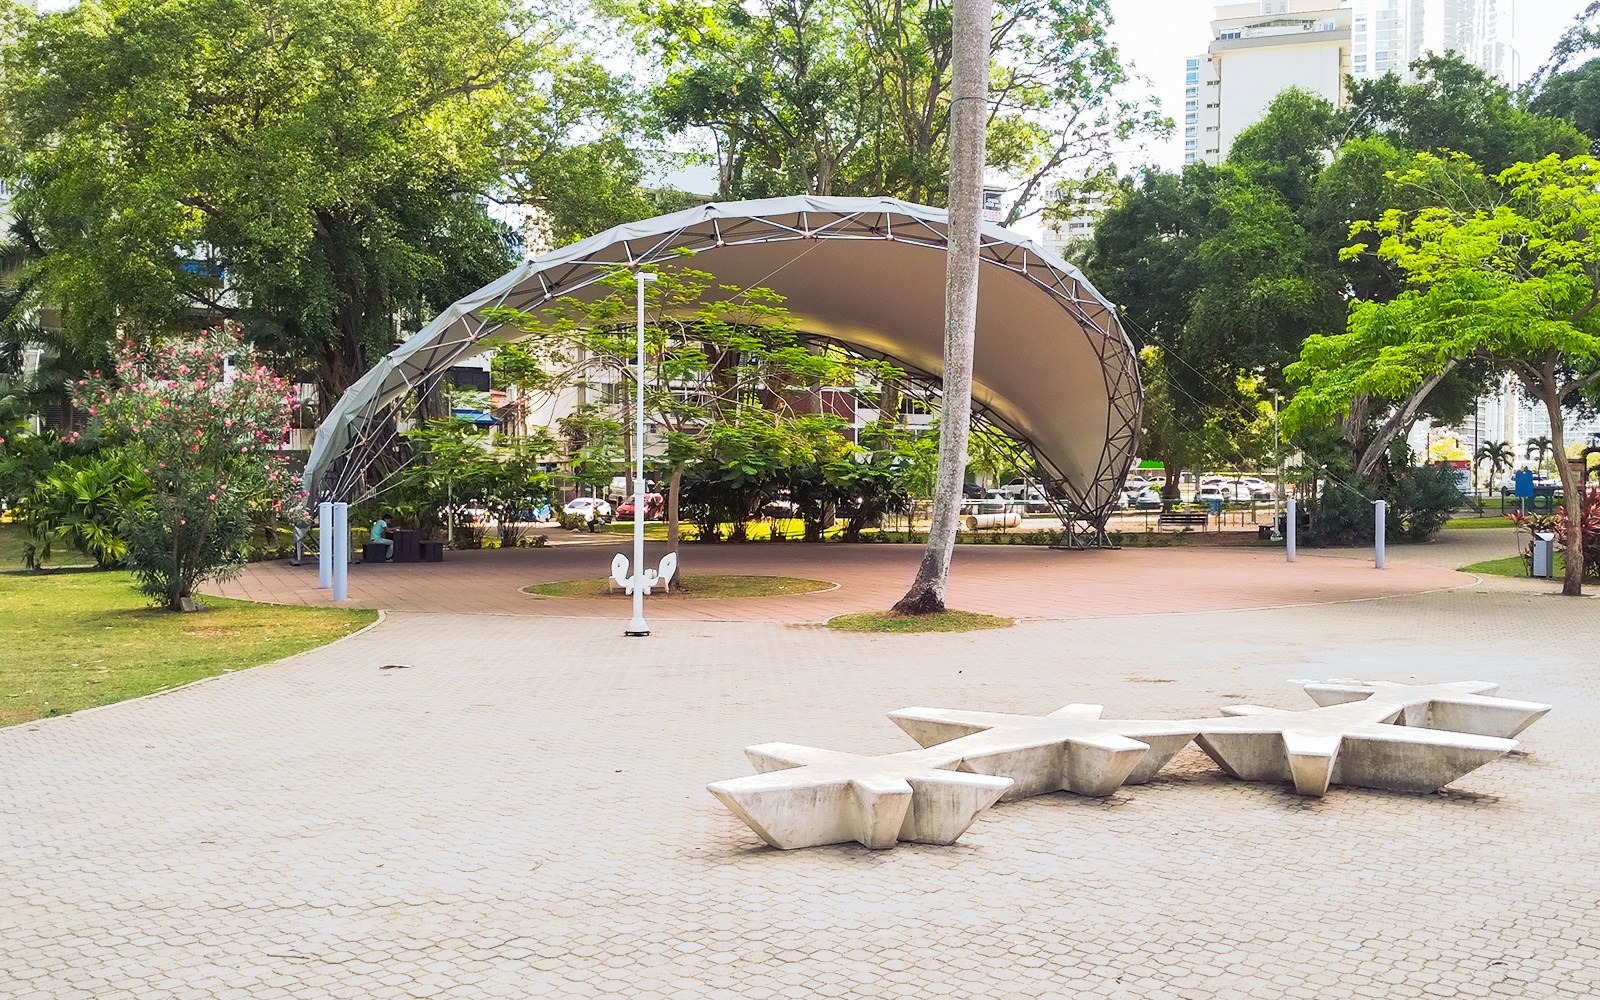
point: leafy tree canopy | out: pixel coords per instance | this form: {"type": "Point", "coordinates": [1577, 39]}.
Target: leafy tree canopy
{"type": "Point", "coordinates": [851, 97]}
{"type": "Point", "coordinates": [1502, 271]}
{"type": "Point", "coordinates": [317, 169]}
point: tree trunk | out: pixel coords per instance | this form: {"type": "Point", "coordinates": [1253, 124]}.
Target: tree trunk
{"type": "Point", "coordinates": [1571, 486]}
{"type": "Point", "coordinates": [1401, 419]}
{"type": "Point", "coordinates": [973, 20]}
{"type": "Point", "coordinates": [674, 490]}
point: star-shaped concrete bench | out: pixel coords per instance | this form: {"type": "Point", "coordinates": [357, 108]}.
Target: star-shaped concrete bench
{"type": "Point", "coordinates": [806, 797]}
{"type": "Point", "coordinates": [1369, 735]}
{"type": "Point", "coordinates": [1460, 707]}
{"type": "Point", "coordinates": [1069, 750]}
{"type": "Point", "coordinates": [1410, 738]}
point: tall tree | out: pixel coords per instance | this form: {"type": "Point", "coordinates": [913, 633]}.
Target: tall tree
{"type": "Point", "coordinates": [853, 97]}
{"type": "Point", "coordinates": [968, 98]}
{"type": "Point", "coordinates": [317, 169]}
{"type": "Point", "coordinates": [1574, 96]}
{"type": "Point", "coordinates": [1512, 280]}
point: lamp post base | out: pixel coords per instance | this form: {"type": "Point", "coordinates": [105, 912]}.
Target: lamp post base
{"type": "Point", "coordinates": [637, 627]}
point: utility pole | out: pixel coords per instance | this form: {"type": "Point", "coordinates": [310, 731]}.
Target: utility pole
{"type": "Point", "coordinates": [973, 22]}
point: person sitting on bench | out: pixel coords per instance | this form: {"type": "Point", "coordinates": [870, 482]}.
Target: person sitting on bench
{"type": "Point", "coordinates": [379, 527]}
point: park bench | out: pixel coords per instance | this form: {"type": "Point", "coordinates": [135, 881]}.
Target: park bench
{"type": "Point", "coordinates": [1183, 518]}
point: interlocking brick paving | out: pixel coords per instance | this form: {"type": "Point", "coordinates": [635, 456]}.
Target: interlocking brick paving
{"type": "Point", "coordinates": [1022, 581]}
{"type": "Point", "coordinates": [519, 811]}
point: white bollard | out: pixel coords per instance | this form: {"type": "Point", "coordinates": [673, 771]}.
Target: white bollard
{"type": "Point", "coordinates": [341, 551]}
{"type": "Point", "coordinates": [1380, 512]}
{"type": "Point", "coordinates": [324, 545]}
{"type": "Point", "coordinates": [1288, 531]}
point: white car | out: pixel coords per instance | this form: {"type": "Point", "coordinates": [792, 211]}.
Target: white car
{"type": "Point", "coordinates": [1137, 484]}
{"type": "Point", "coordinates": [584, 506]}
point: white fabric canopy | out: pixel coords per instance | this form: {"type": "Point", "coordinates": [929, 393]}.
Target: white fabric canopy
{"type": "Point", "coordinates": [1052, 364]}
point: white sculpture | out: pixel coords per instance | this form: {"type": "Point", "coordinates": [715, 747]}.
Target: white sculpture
{"type": "Point", "coordinates": [1070, 750]}
{"type": "Point", "coordinates": [805, 797]}
{"type": "Point", "coordinates": [651, 578]}
{"type": "Point", "coordinates": [1411, 738]}
{"type": "Point", "coordinates": [1399, 737]}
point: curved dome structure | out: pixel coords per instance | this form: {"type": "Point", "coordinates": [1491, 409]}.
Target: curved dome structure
{"type": "Point", "coordinates": [1052, 366]}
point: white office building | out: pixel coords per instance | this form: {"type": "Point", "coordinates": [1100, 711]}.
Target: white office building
{"type": "Point", "coordinates": [1262, 48]}
{"type": "Point", "coordinates": [1060, 235]}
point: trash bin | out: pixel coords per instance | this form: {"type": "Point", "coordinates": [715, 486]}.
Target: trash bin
{"type": "Point", "coordinates": [1216, 506]}
{"type": "Point", "coordinates": [1544, 555]}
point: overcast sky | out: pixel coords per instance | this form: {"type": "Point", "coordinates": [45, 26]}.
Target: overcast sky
{"type": "Point", "coordinates": [1156, 36]}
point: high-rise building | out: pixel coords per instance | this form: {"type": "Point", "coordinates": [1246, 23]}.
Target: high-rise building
{"type": "Point", "coordinates": [1259, 50]}
{"type": "Point", "coordinates": [1262, 48]}
{"type": "Point", "coordinates": [1389, 35]}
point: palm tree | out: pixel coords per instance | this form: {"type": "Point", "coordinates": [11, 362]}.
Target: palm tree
{"type": "Point", "coordinates": [1539, 449]}
{"type": "Point", "coordinates": [1499, 456]}
{"type": "Point", "coordinates": [972, 22]}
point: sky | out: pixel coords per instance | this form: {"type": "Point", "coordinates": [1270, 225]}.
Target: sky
{"type": "Point", "coordinates": [1156, 36]}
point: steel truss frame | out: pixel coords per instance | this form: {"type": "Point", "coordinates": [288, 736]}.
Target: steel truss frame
{"type": "Point", "coordinates": [338, 467]}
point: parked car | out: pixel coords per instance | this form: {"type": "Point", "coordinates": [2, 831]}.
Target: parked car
{"type": "Point", "coordinates": [584, 506]}
{"type": "Point", "coordinates": [1146, 499]}
{"type": "Point", "coordinates": [1137, 484]}
{"type": "Point", "coordinates": [655, 508]}
{"type": "Point", "coordinates": [1259, 489]}
{"type": "Point", "coordinates": [972, 491]}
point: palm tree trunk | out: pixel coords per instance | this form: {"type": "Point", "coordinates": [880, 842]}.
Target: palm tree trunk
{"type": "Point", "coordinates": [973, 20]}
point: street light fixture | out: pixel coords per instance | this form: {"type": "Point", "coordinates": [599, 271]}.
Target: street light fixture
{"type": "Point", "coordinates": [638, 626]}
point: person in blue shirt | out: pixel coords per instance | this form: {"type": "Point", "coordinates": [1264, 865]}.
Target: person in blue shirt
{"type": "Point", "coordinates": [379, 528]}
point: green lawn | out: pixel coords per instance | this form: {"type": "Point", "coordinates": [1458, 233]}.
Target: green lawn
{"type": "Point", "coordinates": [1511, 566]}
{"type": "Point", "coordinates": [1475, 523]}
{"type": "Point", "coordinates": [77, 638]}
{"type": "Point", "coordinates": [11, 542]}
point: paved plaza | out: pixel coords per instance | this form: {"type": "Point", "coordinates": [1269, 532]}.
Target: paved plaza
{"type": "Point", "coordinates": [1023, 581]}
{"type": "Point", "coordinates": [493, 805]}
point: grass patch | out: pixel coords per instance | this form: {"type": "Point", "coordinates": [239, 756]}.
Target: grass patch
{"type": "Point", "coordinates": [12, 541]}
{"type": "Point", "coordinates": [1511, 566]}
{"type": "Point", "coordinates": [696, 586]}
{"type": "Point", "coordinates": [944, 621]}
{"type": "Point", "coordinates": [77, 639]}
{"type": "Point", "coordinates": [1476, 523]}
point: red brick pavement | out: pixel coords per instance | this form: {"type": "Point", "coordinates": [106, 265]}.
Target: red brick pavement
{"type": "Point", "coordinates": [1023, 581]}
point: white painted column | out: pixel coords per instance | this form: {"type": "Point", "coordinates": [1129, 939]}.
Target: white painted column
{"type": "Point", "coordinates": [341, 552]}
{"type": "Point", "coordinates": [324, 545]}
{"type": "Point", "coordinates": [1288, 530]}
{"type": "Point", "coordinates": [1380, 513]}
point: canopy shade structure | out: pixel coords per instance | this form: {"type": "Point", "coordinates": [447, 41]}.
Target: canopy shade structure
{"type": "Point", "coordinates": [1052, 365]}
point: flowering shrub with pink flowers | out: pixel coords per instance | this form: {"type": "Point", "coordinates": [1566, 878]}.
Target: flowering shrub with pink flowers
{"type": "Point", "coordinates": [203, 419]}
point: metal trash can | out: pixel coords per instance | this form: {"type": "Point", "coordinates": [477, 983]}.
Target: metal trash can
{"type": "Point", "coordinates": [1544, 555]}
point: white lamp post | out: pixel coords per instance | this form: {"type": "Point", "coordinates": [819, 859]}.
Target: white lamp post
{"type": "Point", "coordinates": [638, 626]}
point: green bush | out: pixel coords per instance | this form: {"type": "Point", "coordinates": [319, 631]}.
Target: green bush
{"type": "Point", "coordinates": [1420, 500]}
{"type": "Point", "coordinates": [84, 503]}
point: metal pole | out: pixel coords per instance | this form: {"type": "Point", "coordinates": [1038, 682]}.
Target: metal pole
{"type": "Point", "coordinates": [638, 626]}
{"type": "Point", "coordinates": [1380, 514]}
{"type": "Point", "coordinates": [341, 551]}
{"type": "Point", "coordinates": [324, 545]}
{"type": "Point", "coordinates": [1288, 531]}
{"type": "Point", "coordinates": [1277, 457]}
